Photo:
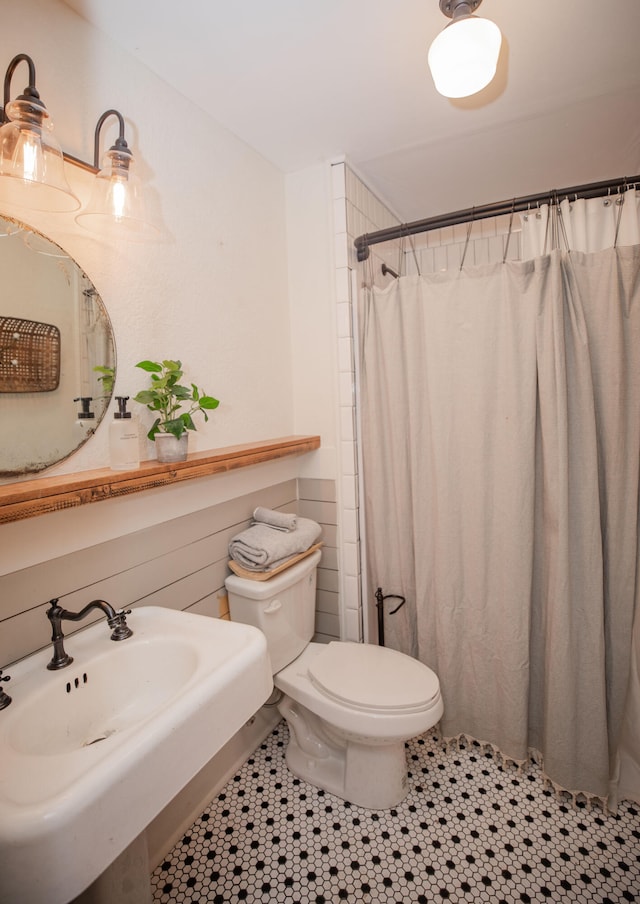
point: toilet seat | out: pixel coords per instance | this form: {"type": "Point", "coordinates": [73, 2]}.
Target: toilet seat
{"type": "Point", "coordinates": [391, 721]}
{"type": "Point", "coordinates": [373, 679]}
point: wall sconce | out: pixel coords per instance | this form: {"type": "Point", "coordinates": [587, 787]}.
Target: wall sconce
{"type": "Point", "coordinates": [464, 56]}
{"type": "Point", "coordinates": [32, 167]}
{"type": "Point", "coordinates": [31, 160]}
{"type": "Point", "coordinates": [116, 199]}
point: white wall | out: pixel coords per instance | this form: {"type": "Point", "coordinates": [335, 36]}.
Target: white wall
{"type": "Point", "coordinates": [213, 292]}
{"type": "Point", "coordinates": [310, 266]}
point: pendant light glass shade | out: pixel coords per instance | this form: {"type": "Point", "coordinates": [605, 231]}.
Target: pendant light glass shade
{"type": "Point", "coordinates": [464, 56]}
{"type": "Point", "coordinates": [116, 205]}
{"type": "Point", "coordinates": [31, 162]}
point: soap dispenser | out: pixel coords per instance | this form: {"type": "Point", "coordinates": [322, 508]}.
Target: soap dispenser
{"type": "Point", "coordinates": [124, 450]}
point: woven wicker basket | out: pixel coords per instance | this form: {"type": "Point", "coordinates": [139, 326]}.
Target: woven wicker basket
{"type": "Point", "coordinates": [29, 355]}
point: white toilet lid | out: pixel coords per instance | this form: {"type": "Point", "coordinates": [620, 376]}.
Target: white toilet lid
{"type": "Point", "coordinates": [369, 677]}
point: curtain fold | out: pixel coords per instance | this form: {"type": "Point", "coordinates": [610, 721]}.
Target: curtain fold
{"type": "Point", "coordinates": [500, 440]}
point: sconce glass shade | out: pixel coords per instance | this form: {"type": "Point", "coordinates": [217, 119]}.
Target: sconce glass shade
{"type": "Point", "coordinates": [117, 205]}
{"type": "Point", "coordinates": [464, 56]}
{"type": "Point", "coordinates": [7, 228]}
{"type": "Point", "coordinates": [31, 162]}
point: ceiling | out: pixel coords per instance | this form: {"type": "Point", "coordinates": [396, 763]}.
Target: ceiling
{"type": "Point", "coordinates": [303, 82]}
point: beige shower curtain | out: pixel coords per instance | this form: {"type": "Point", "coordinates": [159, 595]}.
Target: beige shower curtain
{"type": "Point", "coordinates": [500, 443]}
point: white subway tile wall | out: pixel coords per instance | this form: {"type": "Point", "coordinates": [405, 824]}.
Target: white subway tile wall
{"type": "Point", "coordinates": [357, 207]}
{"type": "Point", "coordinates": [483, 242]}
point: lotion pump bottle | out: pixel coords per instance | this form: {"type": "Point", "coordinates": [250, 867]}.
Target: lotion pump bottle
{"type": "Point", "coordinates": [124, 451]}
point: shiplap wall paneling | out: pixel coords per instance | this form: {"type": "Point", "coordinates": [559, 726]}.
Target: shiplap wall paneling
{"type": "Point", "coordinates": [180, 564]}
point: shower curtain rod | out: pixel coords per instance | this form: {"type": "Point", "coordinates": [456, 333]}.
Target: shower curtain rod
{"type": "Point", "coordinates": [514, 205]}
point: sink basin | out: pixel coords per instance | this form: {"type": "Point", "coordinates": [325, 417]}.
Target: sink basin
{"type": "Point", "coordinates": [53, 722]}
{"type": "Point", "coordinates": [91, 753]}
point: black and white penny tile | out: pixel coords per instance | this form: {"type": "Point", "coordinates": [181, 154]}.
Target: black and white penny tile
{"type": "Point", "coordinates": [470, 830]}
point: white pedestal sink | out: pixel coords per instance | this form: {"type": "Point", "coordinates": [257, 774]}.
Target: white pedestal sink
{"type": "Point", "coordinates": [91, 753]}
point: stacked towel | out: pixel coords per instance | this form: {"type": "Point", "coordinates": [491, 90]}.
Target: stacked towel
{"type": "Point", "coordinates": [262, 547]}
{"type": "Point", "coordinates": [277, 520]}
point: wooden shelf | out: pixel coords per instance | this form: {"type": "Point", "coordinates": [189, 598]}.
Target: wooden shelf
{"type": "Point", "coordinates": [52, 494]}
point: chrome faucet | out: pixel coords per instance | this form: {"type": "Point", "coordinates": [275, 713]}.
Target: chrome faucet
{"type": "Point", "coordinates": [56, 614]}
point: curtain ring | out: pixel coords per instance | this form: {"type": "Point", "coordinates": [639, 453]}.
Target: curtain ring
{"type": "Point", "coordinates": [415, 256]}
{"type": "Point", "coordinates": [466, 242]}
{"type": "Point", "coordinates": [368, 274]}
{"type": "Point", "coordinates": [506, 247]}
{"type": "Point", "coordinates": [562, 229]}
{"type": "Point", "coordinates": [546, 225]}
{"type": "Point", "coordinates": [401, 247]}
{"type": "Point", "coordinates": [620, 203]}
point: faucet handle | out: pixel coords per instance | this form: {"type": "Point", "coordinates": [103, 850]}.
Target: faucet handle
{"type": "Point", "coordinates": [121, 629]}
{"type": "Point", "coordinates": [5, 699]}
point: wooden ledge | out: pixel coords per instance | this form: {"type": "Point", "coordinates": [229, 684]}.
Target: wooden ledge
{"type": "Point", "coordinates": [52, 494]}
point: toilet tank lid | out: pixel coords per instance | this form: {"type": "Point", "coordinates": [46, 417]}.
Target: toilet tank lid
{"type": "Point", "coordinates": [266, 590]}
{"type": "Point", "coordinates": [373, 677]}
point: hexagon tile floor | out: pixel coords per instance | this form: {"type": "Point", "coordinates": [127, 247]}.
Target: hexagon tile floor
{"type": "Point", "coordinates": [469, 831]}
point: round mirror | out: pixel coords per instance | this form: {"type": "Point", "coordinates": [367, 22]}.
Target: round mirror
{"type": "Point", "coordinates": [57, 352]}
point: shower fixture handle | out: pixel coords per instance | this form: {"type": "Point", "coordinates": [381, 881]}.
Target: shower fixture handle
{"type": "Point", "coordinates": [380, 598]}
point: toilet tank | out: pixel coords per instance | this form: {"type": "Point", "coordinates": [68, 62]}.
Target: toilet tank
{"type": "Point", "coordinates": [283, 607]}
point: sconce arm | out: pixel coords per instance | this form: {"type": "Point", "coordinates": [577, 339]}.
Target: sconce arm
{"type": "Point", "coordinates": [120, 143]}
{"type": "Point", "coordinates": [30, 92]}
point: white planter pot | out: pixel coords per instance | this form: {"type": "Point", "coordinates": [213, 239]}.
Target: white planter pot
{"type": "Point", "coordinates": [169, 449]}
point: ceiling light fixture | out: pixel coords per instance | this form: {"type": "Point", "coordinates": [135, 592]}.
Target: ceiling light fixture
{"type": "Point", "coordinates": [32, 167]}
{"type": "Point", "coordinates": [464, 56]}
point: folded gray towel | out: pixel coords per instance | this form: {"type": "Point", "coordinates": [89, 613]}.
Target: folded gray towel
{"type": "Point", "coordinates": [278, 520]}
{"type": "Point", "coordinates": [261, 548]}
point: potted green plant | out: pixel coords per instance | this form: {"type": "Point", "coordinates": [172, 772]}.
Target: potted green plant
{"type": "Point", "coordinates": [174, 406]}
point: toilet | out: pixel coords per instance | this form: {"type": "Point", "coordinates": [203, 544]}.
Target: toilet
{"type": "Point", "coordinates": [350, 707]}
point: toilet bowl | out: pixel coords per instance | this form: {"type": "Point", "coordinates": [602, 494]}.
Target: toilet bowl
{"type": "Point", "coordinates": [349, 707]}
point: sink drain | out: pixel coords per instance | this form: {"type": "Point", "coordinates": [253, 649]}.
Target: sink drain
{"type": "Point", "coordinates": [100, 737]}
